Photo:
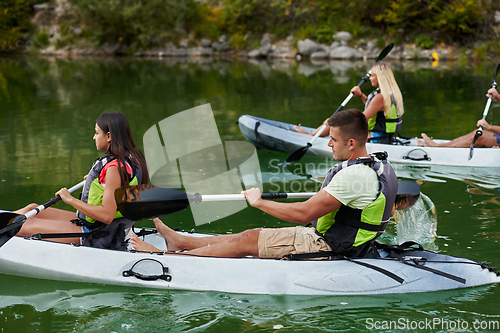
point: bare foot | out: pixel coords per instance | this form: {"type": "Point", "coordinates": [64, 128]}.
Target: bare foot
{"type": "Point", "coordinates": [429, 141]}
{"type": "Point", "coordinates": [168, 234]}
{"type": "Point", "coordinates": [420, 142]}
{"type": "Point", "coordinates": [140, 245]}
{"type": "Point", "coordinates": [299, 130]}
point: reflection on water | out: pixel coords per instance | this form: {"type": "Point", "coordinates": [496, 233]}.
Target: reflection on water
{"type": "Point", "coordinates": [89, 308]}
{"type": "Point", "coordinates": [47, 111]}
{"type": "Point", "coordinates": [475, 176]}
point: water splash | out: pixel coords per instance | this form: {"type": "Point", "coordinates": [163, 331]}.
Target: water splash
{"type": "Point", "coordinates": [418, 224]}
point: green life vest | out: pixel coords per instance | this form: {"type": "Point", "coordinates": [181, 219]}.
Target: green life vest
{"type": "Point", "coordinates": [93, 190]}
{"type": "Point", "coordinates": [350, 231]}
{"type": "Point", "coordinates": [381, 122]}
{"type": "Point", "coordinates": [106, 236]}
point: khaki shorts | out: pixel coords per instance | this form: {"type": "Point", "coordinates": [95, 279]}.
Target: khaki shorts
{"type": "Point", "coordinates": [275, 243]}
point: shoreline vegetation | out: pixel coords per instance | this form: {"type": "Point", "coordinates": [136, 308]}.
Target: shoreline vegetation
{"type": "Point", "coordinates": [428, 30]}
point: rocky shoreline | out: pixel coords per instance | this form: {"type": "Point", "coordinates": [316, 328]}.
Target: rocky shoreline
{"type": "Point", "coordinates": [282, 49]}
{"type": "Point", "coordinates": [343, 47]}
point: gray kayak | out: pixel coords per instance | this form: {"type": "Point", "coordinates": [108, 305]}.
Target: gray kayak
{"type": "Point", "coordinates": [280, 136]}
{"type": "Point", "coordinates": [410, 271]}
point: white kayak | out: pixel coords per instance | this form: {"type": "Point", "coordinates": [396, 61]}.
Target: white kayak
{"type": "Point", "coordinates": [416, 271]}
{"type": "Point", "coordinates": [280, 136]}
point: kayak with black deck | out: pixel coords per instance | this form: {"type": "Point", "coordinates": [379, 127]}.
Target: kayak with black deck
{"type": "Point", "coordinates": [276, 135]}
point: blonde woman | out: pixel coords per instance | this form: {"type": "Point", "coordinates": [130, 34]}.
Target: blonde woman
{"type": "Point", "coordinates": [383, 107]}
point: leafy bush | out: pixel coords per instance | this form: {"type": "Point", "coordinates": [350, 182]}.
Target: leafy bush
{"type": "Point", "coordinates": [138, 23]}
{"type": "Point", "coordinates": [14, 22]}
{"type": "Point", "coordinates": [238, 41]}
{"type": "Point", "coordinates": [450, 20]}
{"type": "Point", "coordinates": [41, 39]}
{"type": "Point", "coordinates": [424, 41]}
{"type": "Point", "coordinates": [324, 34]}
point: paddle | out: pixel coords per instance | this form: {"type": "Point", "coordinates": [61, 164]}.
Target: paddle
{"type": "Point", "coordinates": [479, 131]}
{"type": "Point", "coordinates": [299, 153]}
{"type": "Point", "coordinates": [10, 223]}
{"type": "Point", "coordinates": [140, 202]}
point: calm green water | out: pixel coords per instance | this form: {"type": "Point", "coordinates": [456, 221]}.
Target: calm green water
{"type": "Point", "coordinates": [47, 113]}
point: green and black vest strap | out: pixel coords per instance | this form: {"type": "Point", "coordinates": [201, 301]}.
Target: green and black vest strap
{"type": "Point", "coordinates": [352, 217]}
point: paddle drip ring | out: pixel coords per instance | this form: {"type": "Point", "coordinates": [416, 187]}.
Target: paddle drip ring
{"type": "Point", "coordinates": [149, 277]}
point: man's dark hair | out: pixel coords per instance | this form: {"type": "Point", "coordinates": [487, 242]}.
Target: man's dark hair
{"type": "Point", "coordinates": [352, 124]}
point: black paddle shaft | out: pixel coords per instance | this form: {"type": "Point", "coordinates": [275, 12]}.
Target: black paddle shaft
{"type": "Point", "coordinates": [479, 131]}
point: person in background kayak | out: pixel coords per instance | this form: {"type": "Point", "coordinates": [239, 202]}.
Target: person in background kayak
{"type": "Point", "coordinates": [383, 106]}
{"type": "Point", "coordinates": [122, 164]}
{"type": "Point", "coordinates": [490, 137]}
{"type": "Point", "coordinates": [347, 214]}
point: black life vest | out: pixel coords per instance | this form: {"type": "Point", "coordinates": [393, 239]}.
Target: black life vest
{"type": "Point", "coordinates": [349, 231]}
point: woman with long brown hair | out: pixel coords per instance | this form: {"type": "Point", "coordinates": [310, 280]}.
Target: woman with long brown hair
{"type": "Point", "coordinates": [97, 217]}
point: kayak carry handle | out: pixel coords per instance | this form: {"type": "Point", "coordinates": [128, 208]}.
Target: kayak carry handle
{"type": "Point", "coordinates": [423, 157]}
{"type": "Point", "coordinates": [163, 276]}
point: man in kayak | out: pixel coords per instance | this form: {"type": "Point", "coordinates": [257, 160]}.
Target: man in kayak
{"type": "Point", "coordinates": [490, 137]}
{"type": "Point", "coordinates": [347, 214]}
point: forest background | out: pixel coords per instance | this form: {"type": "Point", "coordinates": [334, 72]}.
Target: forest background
{"type": "Point", "coordinates": [142, 24]}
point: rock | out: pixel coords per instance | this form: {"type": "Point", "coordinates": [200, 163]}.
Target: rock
{"type": "Point", "coordinates": [254, 54]}
{"type": "Point", "coordinates": [109, 48]}
{"type": "Point", "coordinates": [345, 52]}
{"type": "Point", "coordinates": [371, 48]}
{"type": "Point", "coordinates": [342, 36]}
{"type": "Point", "coordinates": [40, 7]}
{"type": "Point", "coordinates": [266, 39]}
{"type": "Point", "coordinates": [77, 31]}
{"type": "Point", "coordinates": [334, 45]}
{"type": "Point", "coordinates": [307, 47]}
{"type": "Point", "coordinates": [205, 42]}
{"type": "Point", "coordinates": [221, 47]}
{"type": "Point", "coordinates": [200, 52]}
{"type": "Point", "coordinates": [265, 50]}
{"type": "Point", "coordinates": [318, 55]}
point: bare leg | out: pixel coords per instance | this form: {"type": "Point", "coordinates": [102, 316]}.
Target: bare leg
{"type": "Point", "coordinates": [36, 225]}
{"type": "Point", "coordinates": [487, 140]}
{"type": "Point", "coordinates": [299, 130]}
{"type": "Point", "coordinates": [325, 132]}
{"type": "Point", "coordinates": [237, 245]}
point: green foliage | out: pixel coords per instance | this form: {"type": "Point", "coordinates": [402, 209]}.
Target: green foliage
{"type": "Point", "coordinates": [449, 20]}
{"type": "Point", "coordinates": [324, 34]}
{"type": "Point", "coordinates": [480, 52]}
{"type": "Point", "coordinates": [142, 23]}
{"type": "Point", "coordinates": [14, 22]}
{"type": "Point", "coordinates": [150, 23]}
{"type": "Point", "coordinates": [210, 21]}
{"type": "Point", "coordinates": [238, 41]}
{"type": "Point", "coordinates": [307, 31]}
{"type": "Point", "coordinates": [424, 41]}
{"type": "Point", "coordinates": [41, 39]}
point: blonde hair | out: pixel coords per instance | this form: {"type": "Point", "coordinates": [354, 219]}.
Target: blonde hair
{"type": "Point", "coordinates": [388, 86]}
